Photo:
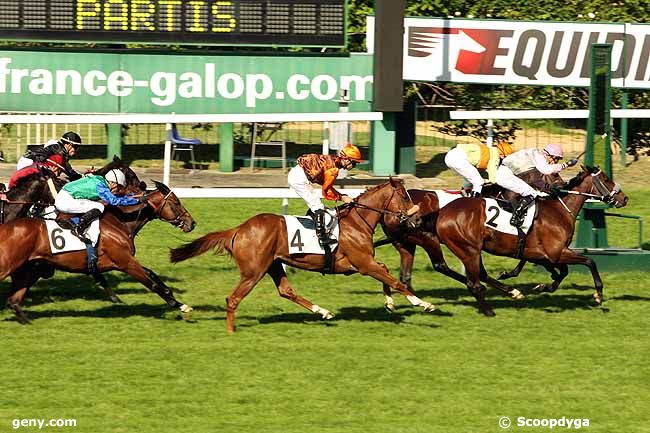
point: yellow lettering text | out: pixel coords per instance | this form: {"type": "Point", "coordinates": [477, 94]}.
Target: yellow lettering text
{"type": "Point", "coordinates": [87, 8]}
{"type": "Point", "coordinates": [116, 11]}
{"type": "Point", "coordinates": [169, 12]}
{"type": "Point", "coordinates": [197, 8]}
{"type": "Point", "coordinates": [142, 13]}
{"type": "Point", "coordinates": [229, 23]}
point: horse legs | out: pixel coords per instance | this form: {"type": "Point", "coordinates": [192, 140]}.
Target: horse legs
{"type": "Point", "coordinates": [569, 257]}
{"type": "Point", "coordinates": [287, 292]}
{"type": "Point", "coordinates": [407, 254]}
{"type": "Point", "coordinates": [101, 280]}
{"type": "Point", "coordinates": [151, 281]}
{"type": "Point", "coordinates": [21, 280]}
{"type": "Point", "coordinates": [368, 266]}
{"type": "Point", "coordinates": [247, 281]}
{"type": "Point", "coordinates": [513, 273]}
{"type": "Point", "coordinates": [558, 273]}
{"type": "Point", "coordinates": [510, 291]}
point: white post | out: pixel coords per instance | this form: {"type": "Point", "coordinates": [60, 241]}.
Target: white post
{"type": "Point", "coordinates": [326, 138]}
{"type": "Point", "coordinates": [167, 155]}
{"type": "Point", "coordinates": [490, 132]}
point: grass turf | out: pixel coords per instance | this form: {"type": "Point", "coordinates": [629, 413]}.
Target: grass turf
{"type": "Point", "coordinates": [139, 367]}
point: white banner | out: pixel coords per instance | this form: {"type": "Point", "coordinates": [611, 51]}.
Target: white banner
{"type": "Point", "coordinates": [519, 52]}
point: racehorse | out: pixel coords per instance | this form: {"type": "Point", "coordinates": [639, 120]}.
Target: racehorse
{"type": "Point", "coordinates": [260, 246]}
{"type": "Point", "coordinates": [461, 226]}
{"type": "Point", "coordinates": [34, 193]}
{"type": "Point", "coordinates": [26, 239]}
{"type": "Point", "coordinates": [405, 240]}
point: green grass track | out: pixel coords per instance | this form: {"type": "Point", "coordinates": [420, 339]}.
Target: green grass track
{"type": "Point", "coordinates": [139, 367]}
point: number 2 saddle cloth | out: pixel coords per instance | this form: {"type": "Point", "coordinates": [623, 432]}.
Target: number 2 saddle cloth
{"type": "Point", "coordinates": [496, 216]}
{"type": "Point", "coordinates": [301, 233]}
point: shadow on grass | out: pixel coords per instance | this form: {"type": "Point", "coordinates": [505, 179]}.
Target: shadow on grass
{"type": "Point", "coordinates": [77, 286]}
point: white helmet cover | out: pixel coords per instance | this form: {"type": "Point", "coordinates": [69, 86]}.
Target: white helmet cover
{"type": "Point", "coordinates": [116, 176]}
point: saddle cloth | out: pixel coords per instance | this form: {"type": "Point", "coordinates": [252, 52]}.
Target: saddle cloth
{"type": "Point", "coordinates": [302, 237]}
{"type": "Point", "coordinates": [445, 197]}
{"type": "Point", "coordinates": [62, 240]}
{"type": "Point", "coordinates": [499, 219]}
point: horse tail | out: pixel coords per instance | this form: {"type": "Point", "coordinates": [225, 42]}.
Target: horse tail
{"type": "Point", "coordinates": [222, 241]}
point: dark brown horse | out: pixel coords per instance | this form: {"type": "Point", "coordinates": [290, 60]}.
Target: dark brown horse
{"type": "Point", "coordinates": [26, 240]}
{"type": "Point", "coordinates": [461, 226]}
{"type": "Point", "coordinates": [405, 239]}
{"type": "Point", "coordinates": [259, 246]}
{"type": "Point", "coordinates": [32, 194]}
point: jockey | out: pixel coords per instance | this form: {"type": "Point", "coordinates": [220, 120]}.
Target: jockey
{"type": "Point", "coordinates": [322, 170]}
{"type": "Point", "coordinates": [465, 159]}
{"type": "Point", "coordinates": [66, 146]}
{"type": "Point", "coordinates": [53, 164]}
{"type": "Point", "coordinates": [547, 161]}
{"type": "Point", "coordinates": [83, 195]}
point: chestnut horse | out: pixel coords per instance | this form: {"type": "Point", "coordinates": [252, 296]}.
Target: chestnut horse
{"type": "Point", "coordinates": [406, 240]}
{"type": "Point", "coordinates": [26, 240]}
{"type": "Point", "coordinates": [461, 226]}
{"type": "Point", "coordinates": [259, 246]}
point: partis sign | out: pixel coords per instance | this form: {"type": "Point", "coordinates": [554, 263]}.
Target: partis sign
{"type": "Point", "coordinates": [520, 52]}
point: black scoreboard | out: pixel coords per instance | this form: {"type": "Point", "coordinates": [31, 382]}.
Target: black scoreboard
{"type": "Point", "coordinates": [205, 22]}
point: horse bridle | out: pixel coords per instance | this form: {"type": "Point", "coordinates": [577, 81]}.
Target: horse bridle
{"type": "Point", "coordinates": [604, 194]}
{"type": "Point", "coordinates": [176, 222]}
{"type": "Point", "coordinates": [402, 216]}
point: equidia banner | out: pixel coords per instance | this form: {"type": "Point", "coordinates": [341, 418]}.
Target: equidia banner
{"type": "Point", "coordinates": [520, 52]}
{"type": "Point", "coordinates": [184, 84]}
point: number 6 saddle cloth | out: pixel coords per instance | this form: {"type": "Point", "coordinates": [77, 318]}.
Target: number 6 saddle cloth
{"type": "Point", "coordinates": [497, 218]}
{"type": "Point", "coordinates": [302, 237]}
{"type": "Point", "coordinates": [61, 239]}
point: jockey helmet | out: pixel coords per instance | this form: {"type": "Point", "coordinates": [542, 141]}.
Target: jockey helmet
{"type": "Point", "coordinates": [116, 176]}
{"type": "Point", "coordinates": [504, 149]}
{"type": "Point", "coordinates": [55, 160]}
{"type": "Point", "coordinates": [554, 150]}
{"type": "Point", "coordinates": [72, 138]}
{"type": "Point", "coordinates": [351, 152]}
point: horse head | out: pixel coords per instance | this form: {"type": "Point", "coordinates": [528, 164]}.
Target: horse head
{"type": "Point", "coordinates": [609, 191]}
{"type": "Point", "coordinates": [393, 202]}
{"type": "Point", "coordinates": [168, 207]}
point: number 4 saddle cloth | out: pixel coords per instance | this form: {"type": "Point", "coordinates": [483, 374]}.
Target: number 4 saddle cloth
{"type": "Point", "coordinates": [498, 218]}
{"type": "Point", "coordinates": [302, 237]}
{"type": "Point", "coordinates": [61, 239]}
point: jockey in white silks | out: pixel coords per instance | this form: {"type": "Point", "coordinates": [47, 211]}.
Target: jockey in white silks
{"type": "Point", "coordinates": [546, 161]}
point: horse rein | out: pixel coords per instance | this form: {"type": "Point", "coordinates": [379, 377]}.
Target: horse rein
{"type": "Point", "coordinates": [400, 215]}
{"type": "Point", "coordinates": [176, 222]}
{"type": "Point", "coordinates": [606, 196]}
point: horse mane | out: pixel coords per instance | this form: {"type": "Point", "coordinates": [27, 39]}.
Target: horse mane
{"type": "Point", "coordinates": [24, 185]}
{"type": "Point", "coordinates": [345, 208]}
{"type": "Point", "coordinates": [578, 178]}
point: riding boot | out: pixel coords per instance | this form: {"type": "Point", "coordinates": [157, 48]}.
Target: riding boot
{"type": "Point", "coordinates": [319, 220]}
{"type": "Point", "coordinates": [519, 213]}
{"type": "Point", "coordinates": [84, 222]}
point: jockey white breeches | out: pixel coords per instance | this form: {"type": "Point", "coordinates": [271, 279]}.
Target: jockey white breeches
{"type": "Point", "coordinates": [298, 181]}
{"type": "Point", "coordinates": [23, 162]}
{"type": "Point", "coordinates": [66, 203]}
{"type": "Point", "coordinates": [507, 179]}
{"type": "Point", "coordinates": [457, 160]}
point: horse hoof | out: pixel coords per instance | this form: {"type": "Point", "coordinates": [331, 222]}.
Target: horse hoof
{"type": "Point", "coordinates": [389, 307]}
{"type": "Point", "coordinates": [517, 295]}
{"type": "Point", "coordinates": [540, 288]}
{"type": "Point", "coordinates": [115, 300]}
{"type": "Point", "coordinates": [186, 309]}
{"type": "Point", "coordinates": [429, 308]}
{"type": "Point", "coordinates": [327, 315]}
{"type": "Point", "coordinates": [598, 298]}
